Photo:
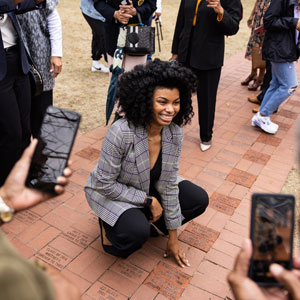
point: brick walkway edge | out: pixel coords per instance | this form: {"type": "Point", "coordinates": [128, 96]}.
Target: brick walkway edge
{"type": "Point", "coordinates": [64, 233]}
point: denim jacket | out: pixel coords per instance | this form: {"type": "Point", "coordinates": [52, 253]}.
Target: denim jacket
{"type": "Point", "coordinates": [87, 7]}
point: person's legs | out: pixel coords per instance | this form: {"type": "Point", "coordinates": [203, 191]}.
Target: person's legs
{"type": "Point", "coordinates": [14, 114]}
{"type": "Point", "coordinates": [129, 234]}
{"type": "Point", "coordinates": [193, 202]}
{"type": "Point", "coordinates": [208, 81]}
{"type": "Point", "coordinates": [98, 43]}
{"type": "Point", "coordinates": [38, 108]}
{"type": "Point", "coordinates": [284, 83]}
{"type": "Point", "coordinates": [266, 81]}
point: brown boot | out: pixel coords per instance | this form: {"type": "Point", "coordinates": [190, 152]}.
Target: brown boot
{"type": "Point", "coordinates": [255, 85]}
{"type": "Point", "coordinates": [248, 79]}
{"type": "Point", "coordinates": [256, 109]}
{"type": "Point", "coordinates": [253, 100]}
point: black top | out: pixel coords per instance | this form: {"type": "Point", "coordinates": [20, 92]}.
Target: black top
{"type": "Point", "coordinates": [154, 176]}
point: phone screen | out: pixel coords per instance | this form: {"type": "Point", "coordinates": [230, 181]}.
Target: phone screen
{"type": "Point", "coordinates": [57, 134]}
{"type": "Point", "coordinates": [272, 227]}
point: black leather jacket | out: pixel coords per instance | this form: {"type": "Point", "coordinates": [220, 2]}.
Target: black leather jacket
{"type": "Point", "coordinates": [280, 39]}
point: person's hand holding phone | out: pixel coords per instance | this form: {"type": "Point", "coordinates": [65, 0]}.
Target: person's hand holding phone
{"type": "Point", "coordinates": [216, 5]}
{"type": "Point", "coordinates": [14, 192]}
{"type": "Point", "coordinates": [128, 9]}
{"type": "Point", "coordinates": [244, 288]}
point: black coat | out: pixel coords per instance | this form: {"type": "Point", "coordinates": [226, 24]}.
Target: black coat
{"type": "Point", "coordinates": [107, 9]}
{"type": "Point", "coordinates": [7, 6]}
{"type": "Point", "coordinates": [280, 39]}
{"type": "Point", "coordinates": [202, 46]}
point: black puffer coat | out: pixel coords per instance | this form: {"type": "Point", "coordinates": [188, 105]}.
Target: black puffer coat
{"type": "Point", "coordinates": [280, 41]}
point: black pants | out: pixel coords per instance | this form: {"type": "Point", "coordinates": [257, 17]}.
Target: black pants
{"type": "Point", "coordinates": [14, 114]}
{"type": "Point", "coordinates": [98, 41]}
{"type": "Point", "coordinates": [132, 229]}
{"type": "Point", "coordinates": [38, 108]}
{"type": "Point", "coordinates": [208, 82]}
{"type": "Point", "coordinates": [266, 82]}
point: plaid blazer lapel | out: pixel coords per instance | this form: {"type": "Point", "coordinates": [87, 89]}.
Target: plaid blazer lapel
{"type": "Point", "coordinates": [170, 144]}
{"type": "Point", "coordinates": [142, 157]}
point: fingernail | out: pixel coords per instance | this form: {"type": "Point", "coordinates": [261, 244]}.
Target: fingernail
{"type": "Point", "coordinates": [276, 269]}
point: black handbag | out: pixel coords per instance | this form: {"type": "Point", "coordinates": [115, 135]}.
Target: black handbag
{"type": "Point", "coordinates": [36, 80]}
{"type": "Point", "coordinates": [140, 39]}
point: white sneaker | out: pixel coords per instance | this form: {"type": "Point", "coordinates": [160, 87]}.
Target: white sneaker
{"type": "Point", "coordinates": [264, 123]}
{"type": "Point", "coordinates": [205, 147]}
{"type": "Point", "coordinates": [99, 68]}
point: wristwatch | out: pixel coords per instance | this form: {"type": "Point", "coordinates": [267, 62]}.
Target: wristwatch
{"type": "Point", "coordinates": [148, 201]}
{"type": "Point", "coordinates": [6, 213]}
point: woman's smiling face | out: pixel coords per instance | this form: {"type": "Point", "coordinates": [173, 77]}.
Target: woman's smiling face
{"type": "Point", "coordinates": [166, 105]}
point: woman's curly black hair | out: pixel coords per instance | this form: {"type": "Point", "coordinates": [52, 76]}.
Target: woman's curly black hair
{"type": "Point", "coordinates": [136, 88]}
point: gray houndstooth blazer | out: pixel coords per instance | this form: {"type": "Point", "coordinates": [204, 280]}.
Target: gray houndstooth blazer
{"type": "Point", "coordinates": [122, 177]}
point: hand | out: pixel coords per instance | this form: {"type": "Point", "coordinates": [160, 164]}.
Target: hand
{"type": "Point", "coordinates": [56, 65]}
{"type": "Point", "coordinates": [174, 57]}
{"type": "Point", "coordinates": [157, 15]}
{"type": "Point", "coordinates": [244, 288]}
{"type": "Point", "coordinates": [250, 21]}
{"type": "Point", "coordinates": [16, 195]}
{"type": "Point", "coordinates": [155, 209]}
{"type": "Point", "coordinates": [122, 17]}
{"type": "Point", "coordinates": [174, 248]}
{"type": "Point", "coordinates": [64, 289]}
{"type": "Point", "coordinates": [298, 25]}
{"type": "Point", "coordinates": [216, 5]}
{"type": "Point", "coordinates": [128, 9]}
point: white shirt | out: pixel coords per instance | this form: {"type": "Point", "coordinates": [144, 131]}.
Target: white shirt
{"type": "Point", "coordinates": [8, 32]}
{"type": "Point", "coordinates": [158, 6]}
{"type": "Point", "coordinates": [55, 31]}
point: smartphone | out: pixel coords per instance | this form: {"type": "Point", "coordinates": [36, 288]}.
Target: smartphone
{"type": "Point", "coordinates": [271, 232]}
{"type": "Point", "coordinates": [55, 142]}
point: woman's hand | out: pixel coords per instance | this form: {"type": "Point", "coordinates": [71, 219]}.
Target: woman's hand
{"type": "Point", "coordinates": [123, 18]}
{"type": "Point", "coordinates": [174, 57]}
{"type": "Point", "coordinates": [174, 248]}
{"type": "Point", "coordinates": [216, 5]}
{"type": "Point", "coordinates": [56, 65]}
{"type": "Point", "coordinates": [155, 209]}
{"type": "Point", "coordinates": [128, 9]}
{"type": "Point", "coordinates": [250, 21]}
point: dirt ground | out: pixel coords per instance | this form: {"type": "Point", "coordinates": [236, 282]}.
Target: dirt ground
{"type": "Point", "coordinates": [79, 89]}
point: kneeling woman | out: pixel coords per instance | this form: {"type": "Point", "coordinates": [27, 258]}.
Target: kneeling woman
{"type": "Point", "coordinates": [135, 183]}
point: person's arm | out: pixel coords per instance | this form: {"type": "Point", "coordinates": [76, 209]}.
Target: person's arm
{"type": "Point", "coordinates": [147, 9]}
{"type": "Point", "coordinates": [105, 9]}
{"type": "Point", "coordinates": [105, 178]}
{"type": "Point", "coordinates": [158, 8]}
{"type": "Point", "coordinates": [178, 30]}
{"type": "Point", "coordinates": [55, 31]}
{"type": "Point", "coordinates": [273, 19]}
{"type": "Point", "coordinates": [28, 5]}
{"type": "Point", "coordinates": [227, 15]}
{"type": "Point", "coordinates": [250, 20]}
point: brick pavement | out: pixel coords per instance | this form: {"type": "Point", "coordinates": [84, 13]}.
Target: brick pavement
{"type": "Point", "coordinates": [64, 233]}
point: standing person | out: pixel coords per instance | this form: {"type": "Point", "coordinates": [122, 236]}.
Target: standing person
{"type": "Point", "coordinates": [15, 96]}
{"type": "Point", "coordinates": [282, 25]}
{"type": "Point", "coordinates": [122, 12]}
{"type": "Point", "coordinates": [255, 22]}
{"type": "Point", "coordinates": [96, 22]}
{"type": "Point", "coordinates": [136, 180]}
{"type": "Point", "coordinates": [198, 43]}
{"type": "Point", "coordinates": [42, 32]}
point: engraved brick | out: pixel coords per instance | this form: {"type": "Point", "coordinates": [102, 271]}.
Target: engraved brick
{"type": "Point", "coordinates": [269, 140]}
{"type": "Point", "coordinates": [28, 217]}
{"type": "Point", "coordinates": [257, 157]}
{"type": "Point", "coordinates": [241, 177]}
{"type": "Point", "coordinates": [89, 153]}
{"type": "Point", "coordinates": [168, 280]}
{"type": "Point", "coordinates": [195, 241]}
{"type": "Point", "coordinates": [103, 292]}
{"type": "Point", "coordinates": [53, 257]}
{"type": "Point", "coordinates": [287, 114]}
{"type": "Point", "coordinates": [221, 207]}
{"type": "Point", "coordinates": [130, 271]}
{"type": "Point", "coordinates": [202, 231]}
{"type": "Point", "coordinates": [79, 238]}
{"type": "Point", "coordinates": [230, 201]}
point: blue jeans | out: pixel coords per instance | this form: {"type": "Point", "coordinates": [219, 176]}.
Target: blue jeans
{"type": "Point", "coordinates": [284, 83]}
